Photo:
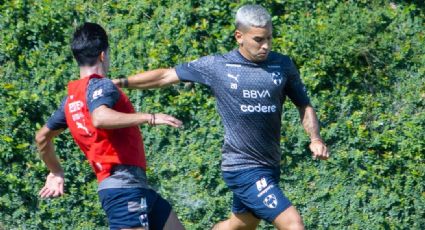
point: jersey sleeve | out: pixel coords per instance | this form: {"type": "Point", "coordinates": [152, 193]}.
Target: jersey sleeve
{"type": "Point", "coordinates": [58, 119]}
{"type": "Point", "coordinates": [295, 88]}
{"type": "Point", "coordinates": [199, 70]}
{"type": "Point", "coordinates": [101, 91]}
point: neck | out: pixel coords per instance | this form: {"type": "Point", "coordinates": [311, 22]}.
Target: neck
{"type": "Point", "coordinates": [86, 71]}
{"type": "Point", "coordinates": [245, 54]}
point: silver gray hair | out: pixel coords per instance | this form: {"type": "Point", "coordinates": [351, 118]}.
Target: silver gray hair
{"type": "Point", "coordinates": [252, 16]}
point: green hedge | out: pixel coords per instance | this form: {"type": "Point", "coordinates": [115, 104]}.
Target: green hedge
{"type": "Point", "coordinates": [363, 63]}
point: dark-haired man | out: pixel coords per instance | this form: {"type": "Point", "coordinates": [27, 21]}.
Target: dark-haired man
{"type": "Point", "coordinates": [103, 123]}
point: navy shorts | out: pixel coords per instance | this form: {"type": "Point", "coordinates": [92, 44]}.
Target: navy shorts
{"type": "Point", "coordinates": [256, 190]}
{"type": "Point", "coordinates": [134, 207]}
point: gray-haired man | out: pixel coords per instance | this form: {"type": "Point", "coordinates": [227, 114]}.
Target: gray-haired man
{"type": "Point", "coordinates": [250, 84]}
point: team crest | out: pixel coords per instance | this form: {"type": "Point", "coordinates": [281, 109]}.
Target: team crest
{"type": "Point", "coordinates": [277, 78]}
{"type": "Point", "coordinates": [270, 201]}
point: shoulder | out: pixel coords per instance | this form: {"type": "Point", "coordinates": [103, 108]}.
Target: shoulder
{"type": "Point", "coordinates": [213, 59]}
{"type": "Point", "coordinates": [232, 56]}
{"type": "Point", "coordinates": [205, 60]}
{"type": "Point", "coordinates": [99, 82]}
{"type": "Point", "coordinates": [205, 64]}
{"type": "Point", "coordinates": [99, 85]}
{"type": "Point", "coordinates": [282, 59]}
{"type": "Point", "coordinates": [101, 88]}
{"type": "Point", "coordinates": [58, 120]}
{"type": "Point", "coordinates": [102, 91]}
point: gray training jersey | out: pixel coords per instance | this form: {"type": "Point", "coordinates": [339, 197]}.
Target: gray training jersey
{"type": "Point", "coordinates": [249, 100]}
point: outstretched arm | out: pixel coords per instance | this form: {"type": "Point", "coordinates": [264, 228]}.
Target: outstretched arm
{"type": "Point", "coordinates": [149, 79]}
{"type": "Point", "coordinates": [107, 118]}
{"type": "Point", "coordinates": [55, 180]}
{"type": "Point", "coordinates": [311, 126]}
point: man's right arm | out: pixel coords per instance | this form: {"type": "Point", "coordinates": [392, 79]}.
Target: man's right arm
{"type": "Point", "coordinates": [149, 79]}
{"type": "Point", "coordinates": [55, 180]}
{"type": "Point", "coordinates": [56, 124]}
{"type": "Point", "coordinates": [101, 98]}
{"type": "Point", "coordinates": [201, 70]}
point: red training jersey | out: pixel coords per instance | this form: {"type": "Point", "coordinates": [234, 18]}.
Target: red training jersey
{"type": "Point", "coordinates": [103, 148]}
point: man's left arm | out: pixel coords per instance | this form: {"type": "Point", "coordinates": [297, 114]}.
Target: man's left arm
{"type": "Point", "coordinates": [296, 91]}
{"type": "Point", "coordinates": [311, 125]}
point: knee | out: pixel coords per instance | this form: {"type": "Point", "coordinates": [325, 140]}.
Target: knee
{"type": "Point", "coordinates": [231, 225]}
{"type": "Point", "coordinates": [243, 221]}
{"type": "Point", "coordinates": [290, 219]}
{"type": "Point", "coordinates": [237, 225]}
{"type": "Point", "coordinates": [290, 224]}
{"type": "Point", "coordinates": [219, 225]}
{"type": "Point", "coordinates": [295, 225]}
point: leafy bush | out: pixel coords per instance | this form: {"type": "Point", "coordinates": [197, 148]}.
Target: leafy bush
{"type": "Point", "coordinates": [363, 63]}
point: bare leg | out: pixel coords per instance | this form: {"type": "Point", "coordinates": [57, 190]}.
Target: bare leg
{"type": "Point", "coordinates": [173, 223]}
{"type": "Point", "coordinates": [138, 228]}
{"type": "Point", "coordinates": [289, 219]}
{"type": "Point", "coordinates": [241, 221]}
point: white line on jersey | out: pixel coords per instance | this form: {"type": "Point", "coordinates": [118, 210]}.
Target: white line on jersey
{"type": "Point", "coordinates": [274, 66]}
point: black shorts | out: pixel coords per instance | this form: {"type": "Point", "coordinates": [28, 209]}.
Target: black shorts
{"type": "Point", "coordinates": [256, 190]}
{"type": "Point", "coordinates": [134, 207]}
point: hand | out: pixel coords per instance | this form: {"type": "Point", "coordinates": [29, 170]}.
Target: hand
{"type": "Point", "coordinates": [120, 82]}
{"type": "Point", "coordinates": [164, 119]}
{"type": "Point", "coordinates": [319, 149]}
{"type": "Point", "coordinates": [116, 82]}
{"type": "Point", "coordinates": [53, 186]}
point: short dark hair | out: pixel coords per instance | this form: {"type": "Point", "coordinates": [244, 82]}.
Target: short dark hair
{"type": "Point", "coordinates": [88, 42]}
